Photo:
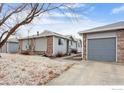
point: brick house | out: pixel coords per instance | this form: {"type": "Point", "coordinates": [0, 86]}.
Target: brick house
{"type": "Point", "coordinates": [47, 43]}
{"type": "Point", "coordinates": [105, 43]}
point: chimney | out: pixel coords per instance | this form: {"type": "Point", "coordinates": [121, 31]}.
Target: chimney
{"type": "Point", "coordinates": [37, 33]}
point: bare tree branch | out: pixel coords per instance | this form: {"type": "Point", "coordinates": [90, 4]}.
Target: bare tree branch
{"type": "Point", "coordinates": [17, 10]}
{"type": "Point", "coordinates": [34, 10]}
{"type": "Point", "coordinates": [1, 6]}
{"type": "Point", "coordinates": [3, 35]}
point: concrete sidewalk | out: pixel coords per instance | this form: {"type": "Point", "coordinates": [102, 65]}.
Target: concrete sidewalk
{"type": "Point", "coordinates": [92, 73]}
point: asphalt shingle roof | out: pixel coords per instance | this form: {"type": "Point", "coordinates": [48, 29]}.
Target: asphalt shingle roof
{"type": "Point", "coordinates": [46, 33]}
{"type": "Point", "coordinates": [109, 27]}
{"type": "Point", "coordinates": [72, 37]}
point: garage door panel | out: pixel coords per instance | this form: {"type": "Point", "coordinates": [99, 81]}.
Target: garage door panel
{"type": "Point", "coordinates": [102, 49]}
{"type": "Point", "coordinates": [13, 47]}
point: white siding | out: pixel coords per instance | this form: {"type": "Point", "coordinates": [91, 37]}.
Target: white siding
{"type": "Point", "coordinates": [4, 48]}
{"type": "Point", "coordinates": [73, 45]}
{"type": "Point", "coordinates": [12, 47]}
{"type": "Point", "coordinates": [9, 47]}
{"type": "Point", "coordinates": [101, 35]}
{"type": "Point", "coordinates": [24, 44]}
{"type": "Point", "coordinates": [79, 46]}
{"type": "Point", "coordinates": [59, 48]}
{"type": "Point", "coordinates": [41, 44]}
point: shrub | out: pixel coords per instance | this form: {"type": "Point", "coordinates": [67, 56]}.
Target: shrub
{"type": "Point", "coordinates": [74, 51]}
{"type": "Point", "coordinates": [59, 54]}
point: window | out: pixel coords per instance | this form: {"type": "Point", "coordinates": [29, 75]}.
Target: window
{"type": "Point", "coordinates": [27, 47]}
{"type": "Point", "coordinates": [60, 41]}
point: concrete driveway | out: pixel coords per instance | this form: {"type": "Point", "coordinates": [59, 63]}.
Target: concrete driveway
{"type": "Point", "coordinates": [92, 73]}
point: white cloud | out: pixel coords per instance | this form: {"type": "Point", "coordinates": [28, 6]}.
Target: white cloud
{"type": "Point", "coordinates": [63, 14]}
{"type": "Point", "coordinates": [58, 14]}
{"type": "Point", "coordinates": [51, 18]}
{"type": "Point", "coordinates": [50, 22]}
{"type": "Point", "coordinates": [74, 5]}
{"type": "Point", "coordinates": [63, 27]}
{"type": "Point", "coordinates": [118, 10]}
{"type": "Point", "coordinates": [78, 5]}
{"type": "Point", "coordinates": [72, 16]}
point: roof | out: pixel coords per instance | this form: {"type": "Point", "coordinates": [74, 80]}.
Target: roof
{"type": "Point", "coordinates": [12, 40]}
{"type": "Point", "coordinates": [71, 37]}
{"type": "Point", "coordinates": [45, 34]}
{"type": "Point", "coordinates": [109, 27]}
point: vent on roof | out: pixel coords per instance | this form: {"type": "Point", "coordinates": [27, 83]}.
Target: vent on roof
{"type": "Point", "coordinates": [37, 33]}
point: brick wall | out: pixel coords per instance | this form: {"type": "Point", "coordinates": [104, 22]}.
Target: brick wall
{"type": "Point", "coordinates": [49, 51]}
{"type": "Point", "coordinates": [20, 46]}
{"type": "Point", "coordinates": [32, 50]}
{"type": "Point", "coordinates": [120, 46]}
{"type": "Point", "coordinates": [32, 44]}
{"type": "Point", "coordinates": [84, 46]}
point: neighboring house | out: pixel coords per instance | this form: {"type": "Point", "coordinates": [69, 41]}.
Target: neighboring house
{"type": "Point", "coordinates": [79, 46]}
{"type": "Point", "coordinates": [47, 43]}
{"type": "Point", "coordinates": [11, 46]}
{"type": "Point", "coordinates": [74, 44]}
{"type": "Point", "coordinates": [105, 43]}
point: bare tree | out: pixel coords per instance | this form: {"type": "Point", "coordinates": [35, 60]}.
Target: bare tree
{"type": "Point", "coordinates": [15, 16]}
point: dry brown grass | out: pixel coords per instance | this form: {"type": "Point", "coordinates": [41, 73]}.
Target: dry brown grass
{"type": "Point", "coordinates": [18, 69]}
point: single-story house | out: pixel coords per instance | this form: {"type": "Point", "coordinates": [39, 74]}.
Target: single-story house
{"type": "Point", "coordinates": [79, 45]}
{"type": "Point", "coordinates": [74, 44]}
{"type": "Point", "coordinates": [47, 43]}
{"type": "Point", "coordinates": [105, 43]}
{"type": "Point", "coordinates": [11, 46]}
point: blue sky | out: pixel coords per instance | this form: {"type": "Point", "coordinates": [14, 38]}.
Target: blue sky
{"type": "Point", "coordinates": [85, 16]}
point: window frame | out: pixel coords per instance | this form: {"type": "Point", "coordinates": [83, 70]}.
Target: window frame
{"type": "Point", "coordinates": [60, 41]}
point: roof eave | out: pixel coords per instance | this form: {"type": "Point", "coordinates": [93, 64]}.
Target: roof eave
{"type": "Point", "coordinates": [86, 32]}
{"type": "Point", "coordinates": [41, 37]}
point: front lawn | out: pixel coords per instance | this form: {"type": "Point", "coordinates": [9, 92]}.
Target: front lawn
{"type": "Point", "coordinates": [16, 69]}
